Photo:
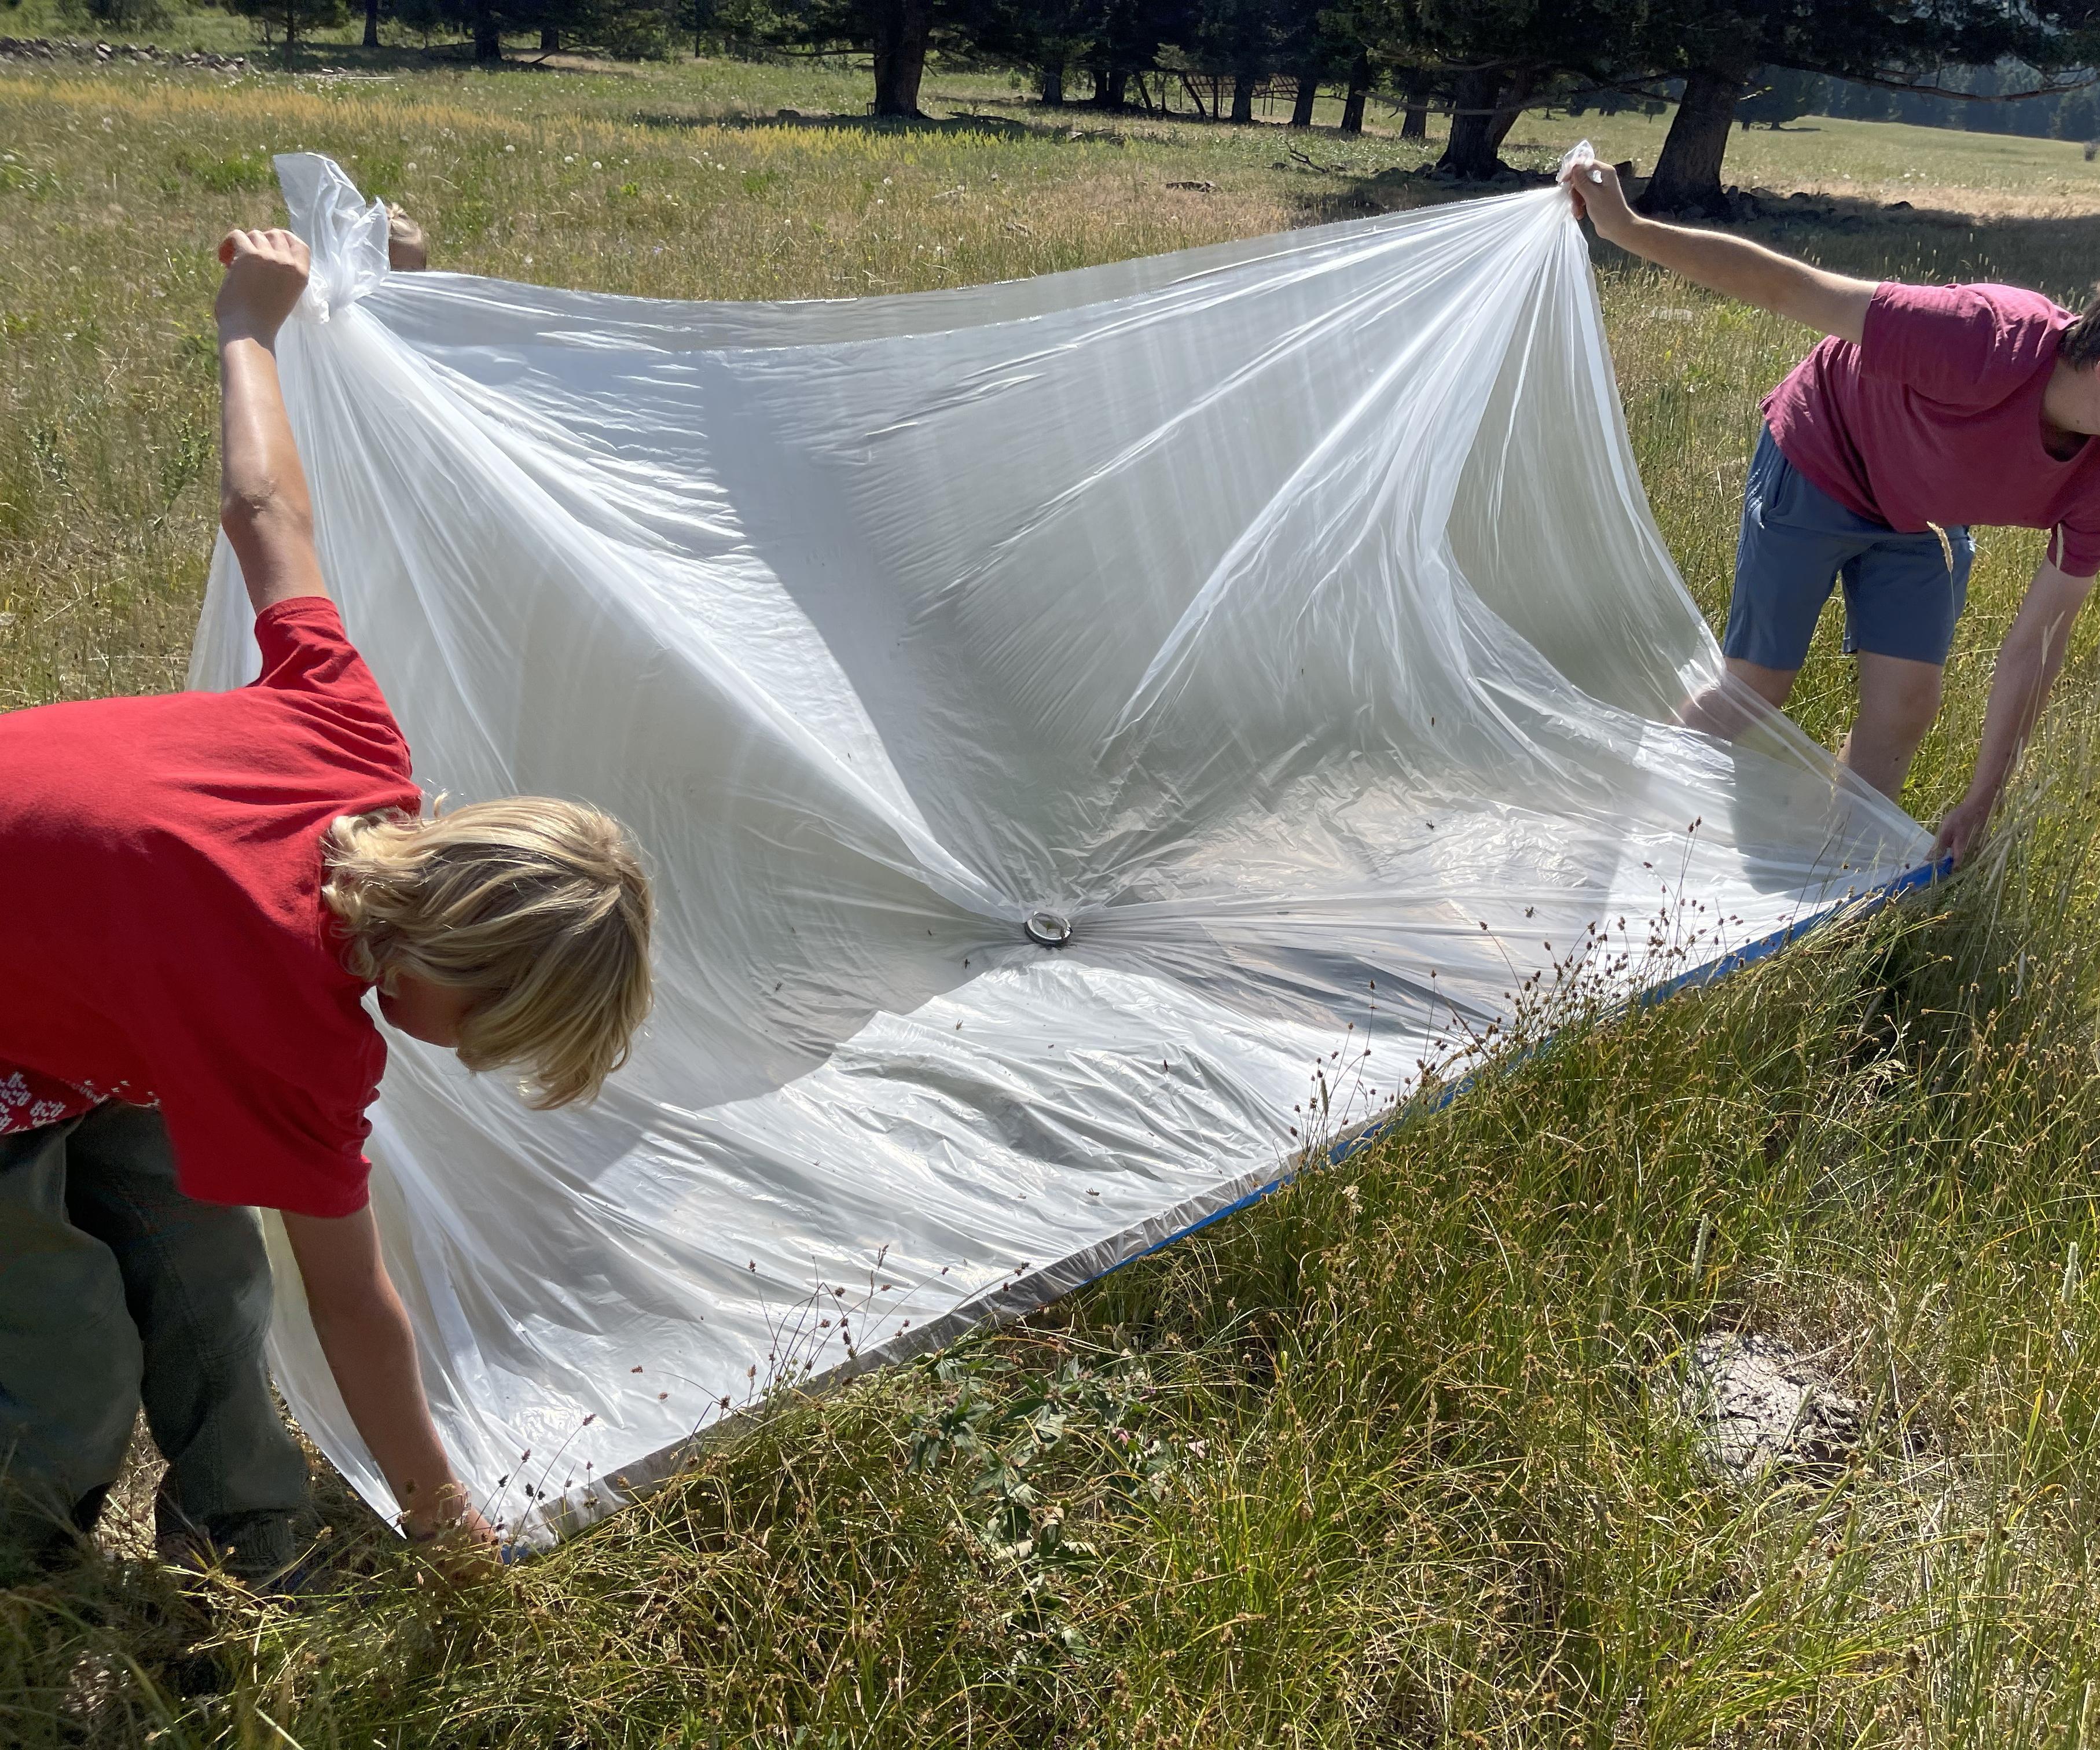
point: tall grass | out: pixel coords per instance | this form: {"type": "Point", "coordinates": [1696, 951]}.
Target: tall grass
{"type": "Point", "coordinates": [1392, 1459]}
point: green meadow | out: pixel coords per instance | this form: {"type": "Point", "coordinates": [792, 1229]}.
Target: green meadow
{"type": "Point", "coordinates": [1393, 1459]}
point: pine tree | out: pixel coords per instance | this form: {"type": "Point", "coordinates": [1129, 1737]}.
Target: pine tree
{"type": "Point", "coordinates": [295, 18]}
{"type": "Point", "coordinates": [1717, 45]}
{"type": "Point", "coordinates": [631, 30]}
{"type": "Point", "coordinates": [1777, 96]}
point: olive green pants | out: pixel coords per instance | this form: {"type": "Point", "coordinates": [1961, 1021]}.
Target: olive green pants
{"type": "Point", "coordinates": [115, 1290]}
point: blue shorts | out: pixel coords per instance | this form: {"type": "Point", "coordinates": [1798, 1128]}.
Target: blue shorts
{"type": "Point", "coordinates": [1903, 592]}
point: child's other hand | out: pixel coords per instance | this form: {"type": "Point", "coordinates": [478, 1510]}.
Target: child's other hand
{"type": "Point", "coordinates": [463, 1548]}
{"type": "Point", "coordinates": [266, 271]}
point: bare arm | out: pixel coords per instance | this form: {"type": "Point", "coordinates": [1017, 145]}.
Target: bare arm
{"type": "Point", "coordinates": [2029, 661]}
{"type": "Point", "coordinates": [363, 1331]}
{"type": "Point", "coordinates": [1734, 266]}
{"type": "Point", "coordinates": [262, 501]}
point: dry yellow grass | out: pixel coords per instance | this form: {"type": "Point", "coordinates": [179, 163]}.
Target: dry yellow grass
{"type": "Point", "coordinates": [114, 188]}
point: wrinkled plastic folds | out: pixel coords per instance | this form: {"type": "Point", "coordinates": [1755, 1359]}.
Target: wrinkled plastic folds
{"type": "Point", "coordinates": [1283, 619]}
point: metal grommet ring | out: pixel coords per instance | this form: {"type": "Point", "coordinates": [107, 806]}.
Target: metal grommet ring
{"type": "Point", "coordinates": [1046, 929]}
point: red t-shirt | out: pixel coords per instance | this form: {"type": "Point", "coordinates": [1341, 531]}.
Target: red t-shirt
{"type": "Point", "coordinates": [1935, 417]}
{"type": "Point", "coordinates": [162, 859]}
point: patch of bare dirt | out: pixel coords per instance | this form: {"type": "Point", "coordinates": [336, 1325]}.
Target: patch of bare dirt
{"type": "Point", "coordinates": [1761, 1407]}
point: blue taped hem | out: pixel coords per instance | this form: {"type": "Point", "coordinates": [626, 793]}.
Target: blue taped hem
{"type": "Point", "coordinates": [1698, 978]}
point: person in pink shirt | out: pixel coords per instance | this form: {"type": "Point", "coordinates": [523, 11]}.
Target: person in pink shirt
{"type": "Point", "coordinates": [1927, 409]}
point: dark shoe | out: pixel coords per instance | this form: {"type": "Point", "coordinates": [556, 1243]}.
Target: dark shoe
{"type": "Point", "coordinates": [36, 1542]}
{"type": "Point", "coordinates": [261, 1554]}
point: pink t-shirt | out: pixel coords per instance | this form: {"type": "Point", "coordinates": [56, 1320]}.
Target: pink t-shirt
{"type": "Point", "coordinates": [1935, 417]}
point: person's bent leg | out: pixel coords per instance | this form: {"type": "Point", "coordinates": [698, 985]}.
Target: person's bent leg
{"type": "Point", "coordinates": [197, 1278]}
{"type": "Point", "coordinates": [1729, 709]}
{"type": "Point", "coordinates": [69, 1356]}
{"type": "Point", "coordinates": [1772, 685]}
{"type": "Point", "coordinates": [1899, 699]}
{"type": "Point", "coordinates": [1903, 597]}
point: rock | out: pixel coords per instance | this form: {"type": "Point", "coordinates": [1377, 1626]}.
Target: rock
{"type": "Point", "coordinates": [1901, 206]}
{"type": "Point", "coordinates": [46, 49]}
{"type": "Point", "coordinates": [787, 115]}
{"type": "Point", "coordinates": [1762, 1406]}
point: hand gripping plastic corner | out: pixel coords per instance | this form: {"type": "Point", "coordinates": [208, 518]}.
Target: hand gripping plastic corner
{"type": "Point", "coordinates": [1579, 159]}
{"type": "Point", "coordinates": [347, 233]}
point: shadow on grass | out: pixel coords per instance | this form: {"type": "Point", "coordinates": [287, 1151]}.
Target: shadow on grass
{"type": "Point", "coordinates": [319, 60]}
{"type": "Point", "coordinates": [1034, 120]}
{"type": "Point", "coordinates": [966, 124]}
{"type": "Point", "coordinates": [2055, 254]}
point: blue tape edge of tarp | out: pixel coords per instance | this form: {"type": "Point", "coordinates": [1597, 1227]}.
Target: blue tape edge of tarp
{"type": "Point", "coordinates": [581, 1507]}
{"type": "Point", "coordinates": [1712, 973]}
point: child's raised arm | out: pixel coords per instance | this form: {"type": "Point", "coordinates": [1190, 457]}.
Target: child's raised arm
{"type": "Point", "coordinates": [262, 501]}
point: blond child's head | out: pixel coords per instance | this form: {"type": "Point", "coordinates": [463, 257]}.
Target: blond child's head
{"type": "Point", "coordinates": [515, 931]}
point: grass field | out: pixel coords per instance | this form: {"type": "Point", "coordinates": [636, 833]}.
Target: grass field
{"type": "Point", "coordinates": [1388, 1460]}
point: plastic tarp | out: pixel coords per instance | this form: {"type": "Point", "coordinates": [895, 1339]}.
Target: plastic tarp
{"type": "Point", "coordinates": [1284, 620]}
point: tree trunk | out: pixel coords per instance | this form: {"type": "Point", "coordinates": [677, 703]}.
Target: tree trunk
{"type": "Point", "coordinates": [488, 34]}
{"type": "Point", "coordinates": [1109, 84]}
{"type": "Point", "coordinates": [1360, 89]}
{"type": "Point", "coordinates": [1485, 108]}
{"type": "Point", "coordinates": [291, 32]}
{"type": "Point", "coordinates": [1687, 175]}
{"type": "Point", "coordinates": [1414, 123]}
{"type": "Point", "coordinates": [1243, 84]}
{"type": "Point", "coordinates": [1509, 105]}
{"type": "Point", "coordinates": [901, 30]}
{"type": "Point", "coordinates": [1305, 97]}
{"type": "Point", "coordinates": [1467, 152]}
{"type": "Point", "coordinates": [550, 39]}
{"type": "Point", "coordinates": [371, 24]}
{"type": "Point", "coordinates": [1053, 83]}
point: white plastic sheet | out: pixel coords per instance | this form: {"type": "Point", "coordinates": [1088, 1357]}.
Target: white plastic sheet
{"type": "Point", "coordinates": [1286, 616]}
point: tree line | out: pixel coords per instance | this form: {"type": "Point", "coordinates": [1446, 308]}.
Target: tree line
{"type": "Point", "coordinates": [1481, 62]}
{"type": "Point", "coordinates": [2072, 114]}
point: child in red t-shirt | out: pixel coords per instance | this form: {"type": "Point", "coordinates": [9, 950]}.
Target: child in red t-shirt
{"type": "Point", "coordinates": [205, 887]}
{"type": "Point", "coordinates": [1928, 408]}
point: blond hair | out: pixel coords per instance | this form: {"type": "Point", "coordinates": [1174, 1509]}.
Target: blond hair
{"type": "Point", "coordinates": [540, 904]}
